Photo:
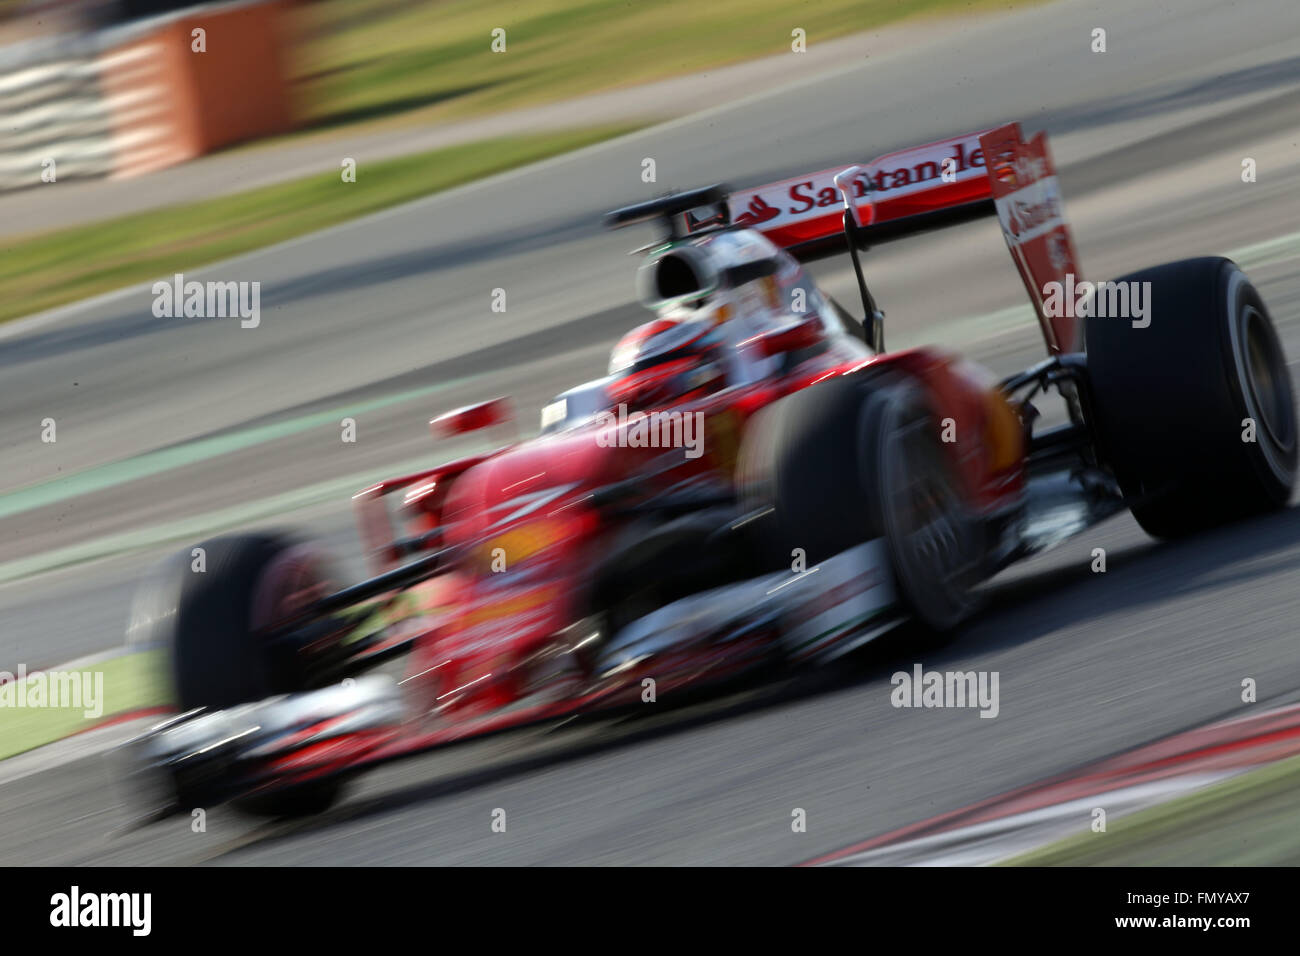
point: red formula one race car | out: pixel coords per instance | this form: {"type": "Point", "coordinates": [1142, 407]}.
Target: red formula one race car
{"type": "Point", "coordinates": [757, 481]}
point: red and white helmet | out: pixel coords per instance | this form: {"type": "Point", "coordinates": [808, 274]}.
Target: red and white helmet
{"type": "Point", "coordinates": [664, 361]}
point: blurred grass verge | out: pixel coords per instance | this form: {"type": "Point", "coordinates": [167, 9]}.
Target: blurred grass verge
{"type": "Point", "coordinates": [363, 60]}
{"type": "Point", "coordinates": [132, 682]}
{"type": "Point", "coordinates": [1249, 820]}
{"type": "Point", "coordinates": [41, 271]}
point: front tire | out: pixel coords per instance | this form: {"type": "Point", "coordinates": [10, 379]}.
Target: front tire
{"type": "Point", "coordinates": [210, 610]}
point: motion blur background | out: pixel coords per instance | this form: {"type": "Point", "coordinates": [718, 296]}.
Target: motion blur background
{"type": "Point", "coordinates": [110, 88]}
{"type": "Point", "coordinates": [118, 88]}
{"type": "Point", "coordinates": [101, 96]}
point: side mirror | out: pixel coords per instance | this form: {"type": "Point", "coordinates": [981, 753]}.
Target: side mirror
{"type": "Point", "coordinates": [471, 418]}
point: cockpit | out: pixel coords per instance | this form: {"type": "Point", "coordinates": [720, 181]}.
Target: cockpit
{"type": "Point", "coordinates": [713, 296]}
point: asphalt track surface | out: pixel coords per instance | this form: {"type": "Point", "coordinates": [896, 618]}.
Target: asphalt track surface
{"type": "Point", "coordinates": [1149, 138]}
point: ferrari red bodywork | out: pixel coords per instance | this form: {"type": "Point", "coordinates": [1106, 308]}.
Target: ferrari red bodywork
{"type": "Point", "coordinates": [497, 582]}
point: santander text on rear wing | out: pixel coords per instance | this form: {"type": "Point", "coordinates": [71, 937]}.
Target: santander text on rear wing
{"type": "Point", "coordinates": [919, 184]}
{"type": "Point", "coordinates": [938, 184]}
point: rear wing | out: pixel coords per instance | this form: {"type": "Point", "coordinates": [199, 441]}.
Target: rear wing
{"type": "Point", "coordinates": [899, 193]}
{"type": "Point", "coordinates": [924, 187]}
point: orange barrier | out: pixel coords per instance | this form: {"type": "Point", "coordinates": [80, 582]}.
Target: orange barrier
{"type": "Point", "coordinates": [168, 102]}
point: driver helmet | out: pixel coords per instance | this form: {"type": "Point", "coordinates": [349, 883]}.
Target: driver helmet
{"type": "Point", "coordinates": [664, 361]}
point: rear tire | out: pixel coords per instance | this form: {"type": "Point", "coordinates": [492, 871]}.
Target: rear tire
{"type": "Point", "coordinates": [847, 461]}
{"type": "Point", "coordinates": [1170, 400]}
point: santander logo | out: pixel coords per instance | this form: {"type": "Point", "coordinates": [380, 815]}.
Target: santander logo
{"type": "Point", "coordinates": [758, 211]}
{"type": "Point", "coordinates": [892, 176]}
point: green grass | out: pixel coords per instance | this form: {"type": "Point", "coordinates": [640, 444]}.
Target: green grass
{"type": "Point", "coordinates": [131, 682]}
{"type": "Point", "coordinates": [365, 59]}
{"type": "Point", "coordinates": [1249, 820]}
{"type": "Point", "coordinates": [38, 272]}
